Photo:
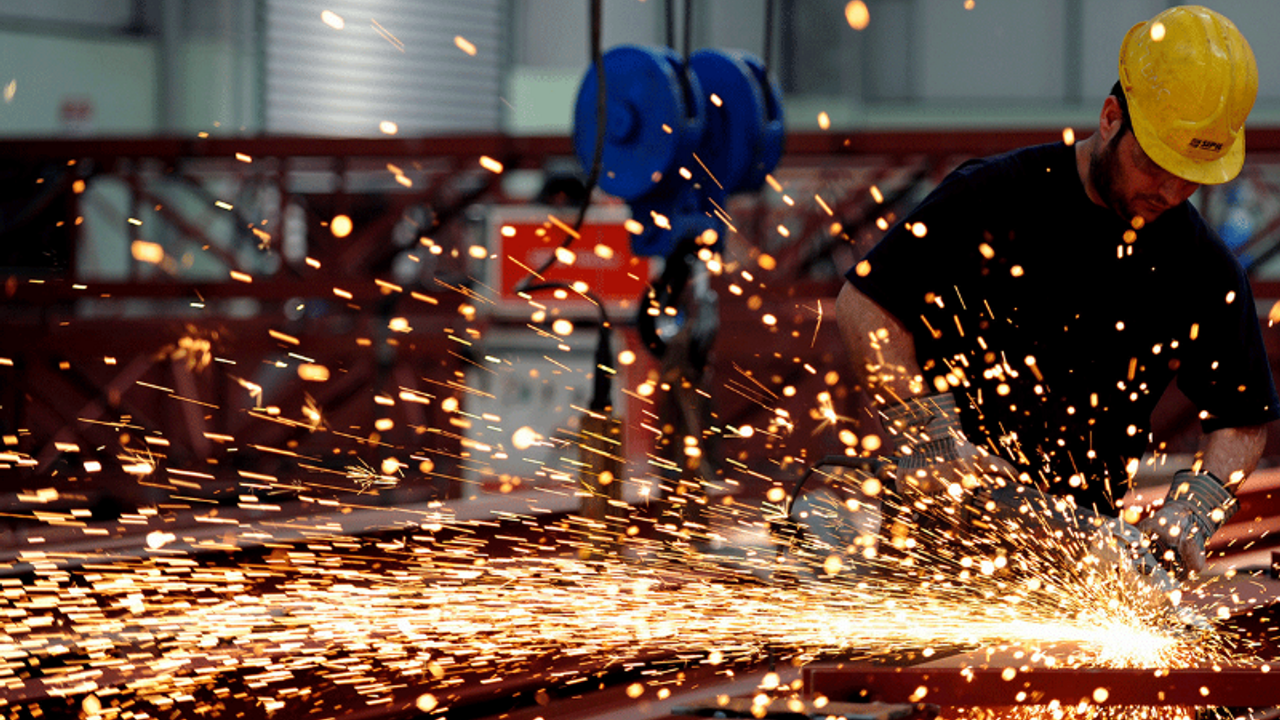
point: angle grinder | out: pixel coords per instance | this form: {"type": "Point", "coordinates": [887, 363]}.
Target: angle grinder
{"type": "Point", "coordinates": [1110, 539]}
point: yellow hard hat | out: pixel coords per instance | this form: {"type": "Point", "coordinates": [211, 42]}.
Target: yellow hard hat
{"type": "Point", "coordinates": [1190, 80]}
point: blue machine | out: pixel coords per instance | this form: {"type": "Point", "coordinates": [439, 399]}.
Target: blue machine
{"type": "Point", "coordinates": [655, 114]}
{"type": "Point", "coordinates": [719, 114]}
{"type": "Point", "coordinates": [744, 132]}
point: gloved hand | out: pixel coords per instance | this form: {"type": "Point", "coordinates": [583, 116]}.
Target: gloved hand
{"type": "Point", "coordinates": [1196, 506]}
{"type": "Point", "coordinates": [934, 456]}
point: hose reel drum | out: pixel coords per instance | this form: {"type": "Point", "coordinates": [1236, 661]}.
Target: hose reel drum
{"type": "Point", "coordinates": [717, 114]}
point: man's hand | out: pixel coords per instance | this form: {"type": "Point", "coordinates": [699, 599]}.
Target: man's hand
{"type": "Point", "coordinates": [1196, 506]}
{"type": "Point", "coordinates": [934, 456]}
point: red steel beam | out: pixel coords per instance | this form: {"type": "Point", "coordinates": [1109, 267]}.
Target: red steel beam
{"type": "Point", "coordinates": [973, 141]}
{"type": "Point", "coordinates": [988, 687]}
{"type": "Point", "coordinates": [530, 150]}
{"type": "Point", "coordinates": [362, 290]}
{"type": "Point", "coordinates": [524, 148]}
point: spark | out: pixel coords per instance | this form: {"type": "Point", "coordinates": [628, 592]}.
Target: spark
{"type": "Point", "coordinates": [386, 35]}
{"type": "Point", "coordinates": [341, 226]}
{"type": "Point", "coordinates": [140, 462]}
{"type": "Point", "coordinates": [147, 252]}
{"type": "Point", "coordinates": [311, 411]}
{"type": "Point", "coordinates": [255, 390]}
{"type": "Point", "coordinates": [818, 325]}
{"type": "Point", "coordinates": [313, 372]}
{"type": "Point", "coordinates": [704, 165]}
{"type": "Point", "coordinates": [465, 45]}
{"type": "Point", "coordinates": [367, 478]}
{"type": "Point", "coordinates": [436, 609]}
{"type": "Point", "coordinates": [332, 19]}
{"type": "Point", "coordinates": [282, 337]}
{"type": "Point", "coordinates": [857, 14]}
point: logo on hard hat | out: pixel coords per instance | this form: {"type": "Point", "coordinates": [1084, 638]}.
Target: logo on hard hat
{"type": "Point", "coordinates": [1209, 145]}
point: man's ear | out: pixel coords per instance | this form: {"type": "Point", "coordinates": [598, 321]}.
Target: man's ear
{"type": "Point", "coordinates": [1111, 119]}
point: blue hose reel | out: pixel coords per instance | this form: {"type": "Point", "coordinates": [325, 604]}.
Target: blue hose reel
{"type": "Point", "coordinates": [722, 109]}
{"type": "Point", "coordinates": [744, 135]}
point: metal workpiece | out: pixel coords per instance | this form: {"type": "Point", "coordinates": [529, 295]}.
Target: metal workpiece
{"type": "Point", "coordinates": [794, 708]}
{"type": "Point", "coordinates": [988, 687]}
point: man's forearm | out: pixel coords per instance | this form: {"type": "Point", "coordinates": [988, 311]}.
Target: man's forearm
{"type": "Point", "coordinates": [881, 349]}
{"type": "Point", "coordinates": [1231, 454]}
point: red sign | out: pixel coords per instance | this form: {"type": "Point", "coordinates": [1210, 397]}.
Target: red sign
{"type": "Point", "coordinates": [600, 258]}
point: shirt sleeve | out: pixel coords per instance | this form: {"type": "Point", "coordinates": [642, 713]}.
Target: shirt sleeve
{"type": "Point", "coordinates": [1225, 370]}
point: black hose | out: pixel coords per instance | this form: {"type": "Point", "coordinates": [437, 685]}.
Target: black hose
{"type": "Point", "coordinates": [688, 30]}
{"type": "Point", "coordinates": [602, 385]}
{"type": "Point", "coordinates": [670, 12]}
{"type": "Point", "coordinates": [768, 37]}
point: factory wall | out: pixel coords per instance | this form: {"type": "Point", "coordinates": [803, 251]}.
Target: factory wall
{"type": "Point", "coordinates": [251, 66]}
{"type": "Point", "coordinates": [428, 66]}
{"type": "Point", "coordinates": [121, 68]}
{"type": "Point", "coordinates": [76, 86]}
{"type": "Point", "coordinates": [917, 63]}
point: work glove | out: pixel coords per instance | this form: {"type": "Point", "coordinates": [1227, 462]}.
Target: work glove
{"type": "Point", "coordinates": [934, 456]}
{"type": "Point", "coordinates": [1196, 506]}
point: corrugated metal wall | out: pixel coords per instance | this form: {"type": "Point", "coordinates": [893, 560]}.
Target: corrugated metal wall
{"type": "Point", "coordinates": [394, 60]}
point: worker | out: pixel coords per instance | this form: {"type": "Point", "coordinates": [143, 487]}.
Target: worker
{"type": "Point", "coordinates": [1024, 319]}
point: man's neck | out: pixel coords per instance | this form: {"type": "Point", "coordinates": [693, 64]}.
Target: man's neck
{"type": "Point", "coordinates": [1084, 159]}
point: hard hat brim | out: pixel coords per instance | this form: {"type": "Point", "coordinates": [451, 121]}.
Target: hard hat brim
{"type": "Point", "coordinates": [1206, 172]}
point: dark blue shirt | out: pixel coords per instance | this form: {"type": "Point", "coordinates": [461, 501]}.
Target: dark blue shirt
{"type": "Point", "coordinates": [1062, 330]}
